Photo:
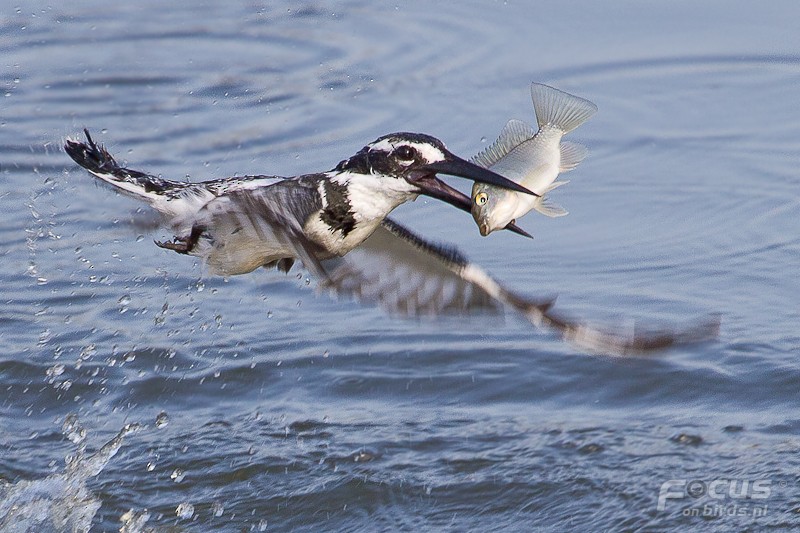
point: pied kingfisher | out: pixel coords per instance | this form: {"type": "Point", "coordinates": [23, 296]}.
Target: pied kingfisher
{"type": "Point", "coordinates": [336, 224]}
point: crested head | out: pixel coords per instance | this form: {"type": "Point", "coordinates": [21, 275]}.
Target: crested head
{"type": "Point", "coordinates": [396, 154]}
{"type": "Point", "coordinates": [389, 171]}
{"type": "Point", "coordinates": [399, 166]}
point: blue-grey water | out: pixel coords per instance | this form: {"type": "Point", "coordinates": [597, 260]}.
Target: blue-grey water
{"type": "Point", "coordinates": [267, 407]}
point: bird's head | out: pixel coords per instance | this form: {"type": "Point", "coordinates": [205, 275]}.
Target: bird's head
{"type": "Point", "coordinates": [409, 162]}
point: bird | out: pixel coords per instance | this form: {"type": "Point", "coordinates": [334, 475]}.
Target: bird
{"type": "Point", "coordinates": [336, 224]}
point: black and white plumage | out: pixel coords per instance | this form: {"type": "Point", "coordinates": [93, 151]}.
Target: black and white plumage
{"type": "Point", "coordinates": [336, 224]}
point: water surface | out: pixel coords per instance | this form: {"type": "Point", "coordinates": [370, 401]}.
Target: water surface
{"type": "Point", "coordinates": [267, 407]}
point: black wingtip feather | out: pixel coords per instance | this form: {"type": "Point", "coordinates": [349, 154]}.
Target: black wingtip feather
{"type": "Point", "coordinates": [89, 155]}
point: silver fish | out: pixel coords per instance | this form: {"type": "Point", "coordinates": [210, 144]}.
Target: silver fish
{"type": "Point", "coordinates": [531, 158]}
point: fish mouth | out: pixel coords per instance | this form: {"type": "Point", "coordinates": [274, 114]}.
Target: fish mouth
{"type": "Point", "coordinates": [429, 185]}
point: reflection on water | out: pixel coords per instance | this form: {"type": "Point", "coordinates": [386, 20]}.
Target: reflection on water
{"type": "Point", "coordinates": [279, 409]}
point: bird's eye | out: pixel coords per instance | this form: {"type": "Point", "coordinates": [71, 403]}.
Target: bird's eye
{"type": "Point", "coordinates": [405, 153]}
{"type": "Point", "coordinates": [481, 198]}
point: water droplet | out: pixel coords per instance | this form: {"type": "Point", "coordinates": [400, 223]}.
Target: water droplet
{"type": "Point", "coordinates": [185, 511]}
{"type": "Point", "coordinates": [45, 337]}
{"type": "Point", "coordinates": [150, 466]}
{"type": "Point", "coordinates": [72, 429]}
{"type": "Point", "coordinates": [269, 314]}
{"type": "Point", "coordinates": [55, 370]}
{"type": "Point", "coordinates": [124, 302]}
{"type": "Point", "coordinates": [177, 475]}
{"type": "Point", "coordinates": [87, 352]}
{"type": "Point", "coordinates": [217, 509]}
{"type": "Point", "coordinates": [363, 456]}
{"type": "Point", "coordinates": [162, 420]}
{"type": "Point", "coordinates": [326, 354]}
{"type": "Point", "coordinates": [134, 520]}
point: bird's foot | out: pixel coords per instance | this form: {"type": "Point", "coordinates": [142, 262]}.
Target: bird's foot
{"type": "Point", "coordinates": [178, 244]}
{"type": "Point", "coordinates": [183, 245]}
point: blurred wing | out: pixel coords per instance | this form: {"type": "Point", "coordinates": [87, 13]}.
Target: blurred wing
{"type": "Point", "coordinates": [408, 275]}
{"type": "Point", "coordinates": [247, 229]}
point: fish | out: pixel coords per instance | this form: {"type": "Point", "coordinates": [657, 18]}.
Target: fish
{"type": "Point", "coordinates": [531, 158]}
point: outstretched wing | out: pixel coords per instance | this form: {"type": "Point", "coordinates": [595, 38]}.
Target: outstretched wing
{"type": "Point", "coordinates": [177, 200]}
{"type": "Point", "coordinates": [407, 275]}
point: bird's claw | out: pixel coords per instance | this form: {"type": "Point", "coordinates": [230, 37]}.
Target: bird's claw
{"type": "Point", "coordinates": [183, 245]}
{"type": "Point", "coordinates": [178, 244]}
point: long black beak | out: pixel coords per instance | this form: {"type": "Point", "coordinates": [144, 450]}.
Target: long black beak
{"type": "Point", "coordinates": [430, 185]}
{"type": "Point", "coordinates": [455, 166]}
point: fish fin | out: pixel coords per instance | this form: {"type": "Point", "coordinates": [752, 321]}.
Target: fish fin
{"type": "Point", "coordinates": [555, 185]}
{"type": "Point", "coordinates": [571, 155]}
{"type": "Point", "coordinates": [550, 209]}
{"type": "Point", "coordinates": [559, 109]}
{"type": "Point", "coordinates": [514, 133]}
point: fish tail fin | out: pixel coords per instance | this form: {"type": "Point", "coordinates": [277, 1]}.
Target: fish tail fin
{"type": "Point", "coordinates": [571, 155]}
{"type": "Point", "coordinates": [559, 109]}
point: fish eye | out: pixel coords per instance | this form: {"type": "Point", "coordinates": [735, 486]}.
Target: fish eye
{"type": "Point", "coordinates": [405, 153]}
{"type": "Point", "coordinates": [481, 198]}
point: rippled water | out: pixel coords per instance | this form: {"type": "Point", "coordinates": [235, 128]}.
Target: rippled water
{"type": "Point", "coordinates": [267, 407]}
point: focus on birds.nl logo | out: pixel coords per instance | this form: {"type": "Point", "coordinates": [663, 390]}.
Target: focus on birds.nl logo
{"type": "Point", "coordinates": [723, 497]}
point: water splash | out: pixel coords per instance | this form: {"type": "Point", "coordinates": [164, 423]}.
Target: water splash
{"type": "Point", "coordinates": [133, 521]}
{"type": "Point", "coordinates": [60, 502]}
{"type": "Point", "coordinates": [73, 430]}
{"type": "Point", "coordinates": [185, 511]}
{"type": "Point", "coordinates": [162, 420]}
